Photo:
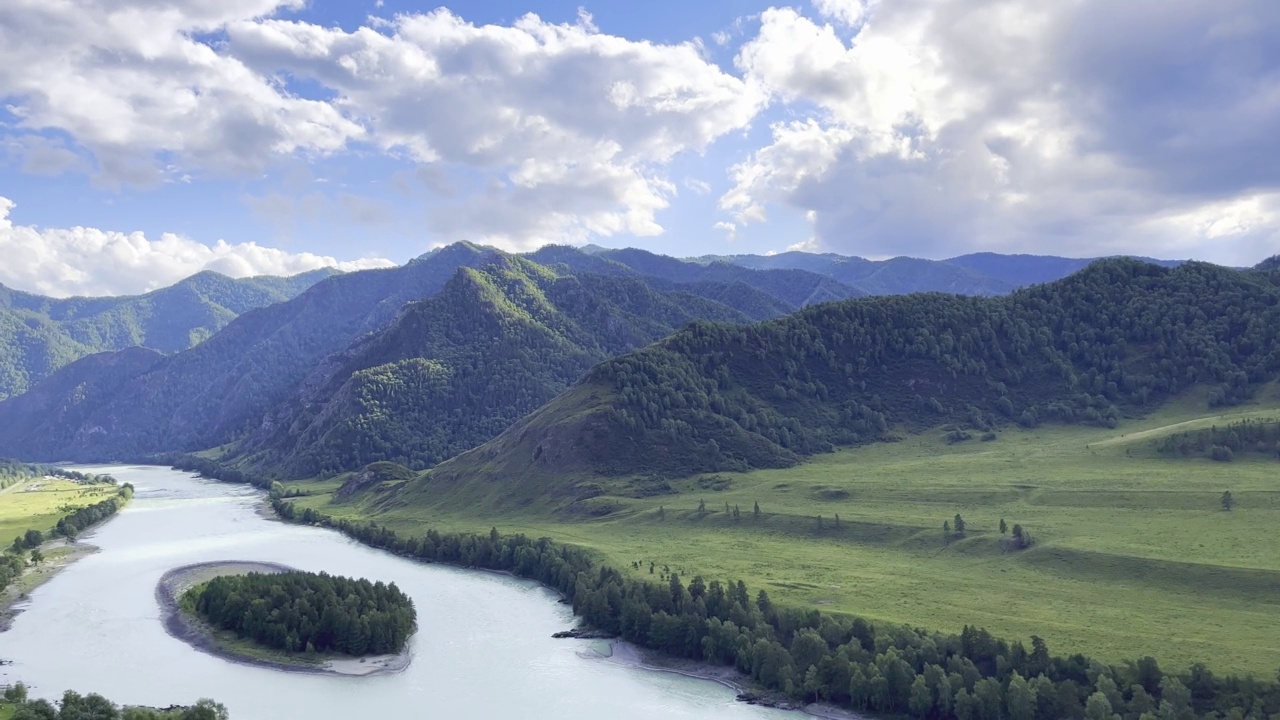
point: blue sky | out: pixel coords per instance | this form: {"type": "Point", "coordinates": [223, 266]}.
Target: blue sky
{"type": "Point", "coordinates": [139, 145]}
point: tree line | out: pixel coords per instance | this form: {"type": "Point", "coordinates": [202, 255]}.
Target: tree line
{"type": "Point", "coordinates": [810, 655]}
{"type": "Point", "coordinates": [1261, 437]}
{"type": "Point", "coordinates": [308, 612]}
{"type": "Point", "coordinates": [75, 706]}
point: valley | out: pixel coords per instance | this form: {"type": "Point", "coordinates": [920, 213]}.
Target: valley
{"type": "Point", "coordinates": [1133, 553]}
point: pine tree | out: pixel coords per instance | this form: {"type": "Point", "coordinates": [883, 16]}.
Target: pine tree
{"type": "Point", "coordinates": [1228, 501]}
{"type": "Point", "coordinates": [1003, 527]}
{"type": "Point", "coordinates": [757, 510]}
{"type": "Point", "coordinates": [959, 524]}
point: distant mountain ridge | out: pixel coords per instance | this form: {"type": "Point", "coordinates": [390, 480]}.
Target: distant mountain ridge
{"type": "Point", "coordinates": [39, 334]}
{"type": "Point", "coordinates": [274, 377]}
{"type": "Point", "coordinates": [980, 274]}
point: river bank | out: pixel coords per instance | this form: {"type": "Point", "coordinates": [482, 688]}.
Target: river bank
{"type": "Point", "coordinates": [58, 555]}
{"type": "Point", "coordinates": [625, 654]}
{"type": "Point", "coordinates": [199, 635]}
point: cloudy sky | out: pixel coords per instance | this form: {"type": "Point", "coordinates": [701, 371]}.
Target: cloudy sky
{"type": "Point", "coordinates": [144, 140]}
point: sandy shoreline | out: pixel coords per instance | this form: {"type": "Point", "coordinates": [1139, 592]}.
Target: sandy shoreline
{"type": "Point", "coordinates": [630, 656]}
{"type": "Point", "coordinates": [199, 636]}
{"type": "Point", "coordinates": [14, 598]}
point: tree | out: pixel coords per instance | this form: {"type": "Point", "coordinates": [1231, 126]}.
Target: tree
{"type": "Point", "coordinates": [37, 557]}
{"type": "Point", "coordinates": [921, 700]}
{"type": "Point", "coordinates": [756, 512]}
{"type": "Point", "coordinates": [959, 524]}
{"type": "Point", "coordinates": [702, 507]}
{"type": "Point", "coordinates": [1004, 528]}
{"type": "Point", "coordinates": [16, 693]}
{"type": "Point", "coordinates": [946, 530]}
{"type": "Point", "coordinates": [1099, 708]}
{"type": "Point", "coordinates": [662, 515]}
{"type": "Point", "coordinates": [1228, 501]}
{"type": "Point", "coordinates": [1020, 699]}
{"type": "Point", "coordinates": [33, 538]}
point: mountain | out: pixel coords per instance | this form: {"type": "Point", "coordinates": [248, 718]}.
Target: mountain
{"type": "Point", "coordinates": [981, 274]}
{"type": "Point", "coordinates": [312, 383]}
{"type": "Point", "coordinates": [1118, 338]}
{"type": "Point", "coordinates": [456, 369]}
{"type": "Point", "coordinates": [1023, 270]}
{"type": "Point", "coordinates": [897, 276]}
{"type": "Point", "coordinates": [212, 393]}
{"type": "Point", "coordinates": [42, 334]}
{"type": "Point", "coordinates": [794, 288]}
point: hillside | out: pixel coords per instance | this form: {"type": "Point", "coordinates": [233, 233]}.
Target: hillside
{"type": "Point", "coordinates": [982, 274]}
{"type": "Point", "coordinates": [794, 288]}
{"type": "Point", "coordinates": [276, 379]}
{"type": "Point", "coordinates": [1114, 340]}
{"type": "Point", "coordinates": [456, 369]}
{"type": "Point", "coordinates": [40, 334]}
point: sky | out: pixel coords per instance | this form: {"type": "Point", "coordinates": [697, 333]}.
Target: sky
{"type": "Point", "coordinates": [142, 141]}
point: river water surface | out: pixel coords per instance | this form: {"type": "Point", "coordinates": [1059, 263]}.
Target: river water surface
{"type": "Point", "coordinates": [483, 648]}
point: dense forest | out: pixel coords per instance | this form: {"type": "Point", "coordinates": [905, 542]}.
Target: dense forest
{"type": "Point", "coordinates": [810, 655]}
{"type": "Point", "coordinates": [1115, 339]}
{"type": "Point", "coordinates": [38, 334]}
{"type": "Point", "coordinates": [458, 368]}
{"type": "Point", "coordinates": [308, 612]}
{"type": "Point", "coordinates": [75, 706]}
{"type": "Point", "coordinates": [1252, 437]}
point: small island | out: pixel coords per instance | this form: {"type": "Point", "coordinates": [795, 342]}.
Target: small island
{"type": "Point", "coordinates": [274, 616]}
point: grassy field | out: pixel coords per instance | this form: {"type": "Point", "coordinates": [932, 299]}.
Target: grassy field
{"type": "Point", "coordinates": [39, 503]}
{"type": "Point", "coordinates": [1134, 554]}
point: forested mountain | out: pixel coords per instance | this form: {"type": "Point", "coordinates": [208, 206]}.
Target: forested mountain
{"type": "Point", "coordinates": [39, 334]}
{"type": "Point", "coordinates": [215, 391]}
{"type": "Point", "coordinates": [793, 288]}
{"type": "Point", "coordinates": [456, 369]}
{"type": "Point", "coordinates": [346, 373]}
{"type": "Point", "coordinates": [1120, 336]}
{"type": "Point", "coordinates": [981, 274]}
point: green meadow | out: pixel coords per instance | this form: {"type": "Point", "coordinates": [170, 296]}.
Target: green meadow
{"type": "Point", "coordinates": [38, 504]}
{"type": "Point", "coordinates": [1133, 553]}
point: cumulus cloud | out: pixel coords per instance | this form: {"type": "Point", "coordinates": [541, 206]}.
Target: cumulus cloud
{"type": "Point", "coordinates": [570, 127]}
{"type": "Point", "coordinates": [1082, 128]}
{"type": "Point", "coordinates": [564, 130]}
{"type": "Point", "coordinates": [61, 262]}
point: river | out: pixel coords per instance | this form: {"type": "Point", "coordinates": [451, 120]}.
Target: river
{"type": "Point", "coordinates": [483, 648]}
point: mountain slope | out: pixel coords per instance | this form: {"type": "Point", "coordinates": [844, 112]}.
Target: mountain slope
{"type": "Point", "coordinates": [42, 334]}
{"type": "Point", "coordinates": [794, 288]}
{"type": "Point", "coordinates": [346, 372]}
{"type": "Point", "coordinates": [458, 368]}
{"type": "Point", "coordinates": [1119, 337]}
{"type": "Point", "coordinates": [213, 392]}
{"type": "Point", "coordinates": [896, 276]}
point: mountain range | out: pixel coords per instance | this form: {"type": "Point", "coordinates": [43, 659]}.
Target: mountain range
{"type": "Point", "coordinates": [419, 363]}
{"type": "Point", "coordinates": [41, 334]}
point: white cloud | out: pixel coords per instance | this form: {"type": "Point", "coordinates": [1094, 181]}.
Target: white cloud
{"type": "Point", "coordinates": [845, 12]}
{"type": "Point", "coordinates": [729, 229]}
{"type": "Point", "coordinates": [1079, 128]}
{"type": "Point", "coordinates": [566, 130]}
{"type": "Point", "coordinates": [569, 127]}
{"type": "Point", "coordinates": [696, 186]}
{"type": "Point", "coordinates": [60, 262]}
{"type": "Point", "coordinates": [127, 80]}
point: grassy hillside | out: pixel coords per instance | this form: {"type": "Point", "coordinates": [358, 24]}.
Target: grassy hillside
{"type": "Point", "coordinates": [1132, 555]}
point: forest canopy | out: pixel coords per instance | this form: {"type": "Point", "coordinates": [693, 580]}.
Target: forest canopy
{"type": "Point", "coordinates": [308, 612]}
